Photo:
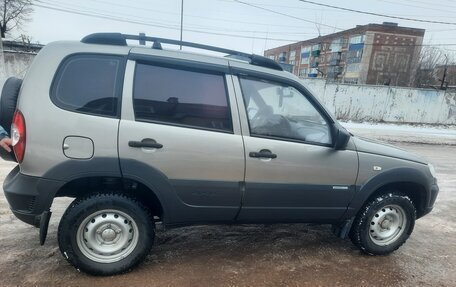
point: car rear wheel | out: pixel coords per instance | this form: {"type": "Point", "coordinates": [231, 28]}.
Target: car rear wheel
{"type": "Point", "coordinates": [106, 234]}
{"type": "Point", "coordinates": [384, 224]}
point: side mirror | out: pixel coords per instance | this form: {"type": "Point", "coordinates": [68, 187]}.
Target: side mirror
{"type": "Point", "coordinates": [341, 138]}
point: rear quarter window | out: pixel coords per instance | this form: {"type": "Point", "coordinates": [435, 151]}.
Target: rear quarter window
{"type": "Point", "coordinates": [89, 84]}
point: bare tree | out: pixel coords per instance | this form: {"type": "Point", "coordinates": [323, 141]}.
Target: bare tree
{"type": "Point", "coordinates": [318, 24]}
{"type": "Point", "coordinates": [13, 14]}
{"type": "Point", "coordinates": [430, 58]}
{"type": "Point", "coordinates": [26, 43]}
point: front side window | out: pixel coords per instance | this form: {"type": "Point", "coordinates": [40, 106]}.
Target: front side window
{"type": "Point", "coordinates": [181, 97]}
{"type": "Point", "coordinates": [89, 84]}
{"type": "Point", "coordinates": [281, 111]}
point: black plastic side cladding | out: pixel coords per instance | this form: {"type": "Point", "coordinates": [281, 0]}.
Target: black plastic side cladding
{"type": "Point", "coordinates": [175, 210]}
{"type": "Point", "coordinates": [397, 175]}
{"type": "Point", "coordinates": [74, 169]}
{"type": "Point", "coordinates": [29, 196]}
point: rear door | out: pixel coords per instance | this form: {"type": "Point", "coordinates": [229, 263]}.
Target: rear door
{"type": "Point", "coordinates": [179, 123]}
{"type": "Point", "coordinates": [292, 172]}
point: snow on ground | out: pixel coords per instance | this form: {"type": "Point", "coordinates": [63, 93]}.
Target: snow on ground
{"type": "Point", "coordinates": [427, 134]}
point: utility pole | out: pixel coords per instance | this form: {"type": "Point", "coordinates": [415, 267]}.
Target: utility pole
{"type": "Point", "coordinates": [444, 73]}
{"type": "Point", "coordinates": [182, 20]}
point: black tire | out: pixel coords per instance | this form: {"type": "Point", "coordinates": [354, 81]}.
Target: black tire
{"type": "Point", "coordinates": [84, 210]}
{"type": "Point", "coordinates": [8, 101]}
{"type": "Point", "coordinates": [373, 220]}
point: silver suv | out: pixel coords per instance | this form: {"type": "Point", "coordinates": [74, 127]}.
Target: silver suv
{"type": "Point", "coordinates": [140, 135]}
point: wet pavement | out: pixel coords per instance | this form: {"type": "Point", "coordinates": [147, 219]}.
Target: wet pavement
{"type": "Point", "coordinates": [252, 255]}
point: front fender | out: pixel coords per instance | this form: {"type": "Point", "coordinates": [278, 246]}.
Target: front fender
{"type": "Point", "coordinates": [395, 175]}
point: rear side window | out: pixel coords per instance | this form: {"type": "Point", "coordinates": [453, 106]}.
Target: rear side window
{"type": "Point", "coordinates": [181, 97]}
{"type": "Point", "coordinates": [89, 84]}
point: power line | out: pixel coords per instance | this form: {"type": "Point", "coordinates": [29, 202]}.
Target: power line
{"type": "Point", "coordinates": [331, 10]}
{"type": "Point", "coordinates": [287, 15]}
{"type": "Point", "coordinates": [342, 11]}
{"type": "Point", "coordinates": [125, 20]}
{"type": "Point", "coordinates": [199, 16]}
{"type": "Point", "coordinates": [377, 14]}
{"type": "Point", "coordinates": [429, 4]}
{"type": "Point", "coordinates": [86, 10]}
{"type": "Point", "coordinates": [90, 10]}
{"type": "Point", "coordinates": [415, 6]}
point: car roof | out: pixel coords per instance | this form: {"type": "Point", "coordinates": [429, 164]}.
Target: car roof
{"type": "Point", "coordinates": [118, 39]}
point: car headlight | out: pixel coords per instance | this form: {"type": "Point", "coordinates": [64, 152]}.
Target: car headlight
{"type": "Point", "coordinates": [432, 170]}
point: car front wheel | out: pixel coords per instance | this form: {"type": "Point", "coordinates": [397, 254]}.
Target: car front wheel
{"type": "Point", "coordinates": [384, 224]}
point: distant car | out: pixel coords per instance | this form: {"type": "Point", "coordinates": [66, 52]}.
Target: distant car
{"type": "Point", "coordinates": [138, 135]}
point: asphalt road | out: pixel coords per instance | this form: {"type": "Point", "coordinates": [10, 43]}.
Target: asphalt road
{"type": "Point", "coordinates": [252, 255]}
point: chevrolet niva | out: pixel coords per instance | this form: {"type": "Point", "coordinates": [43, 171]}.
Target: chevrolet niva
{"type": "Point", "coordinates": [140, 135]}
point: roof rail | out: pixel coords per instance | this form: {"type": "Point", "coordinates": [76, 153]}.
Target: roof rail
{"type": "Point", "coordinates": [121, 40]}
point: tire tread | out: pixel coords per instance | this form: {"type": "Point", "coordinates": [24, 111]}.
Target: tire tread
{"type": "Point", "coordinates": [75, 209]}
{"type": "Point", "coordinates": [360, 221]}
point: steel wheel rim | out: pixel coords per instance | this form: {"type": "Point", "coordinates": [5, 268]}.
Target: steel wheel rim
{"type": "Point", "coordinates": [387, 224]}
{"type": "Point", "coordinates": [107, 236]}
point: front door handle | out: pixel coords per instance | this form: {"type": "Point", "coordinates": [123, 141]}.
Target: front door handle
{"type": "Point", "coordinates": [264, 153]}
{"type": "Point", "coordinates": [147, 143]}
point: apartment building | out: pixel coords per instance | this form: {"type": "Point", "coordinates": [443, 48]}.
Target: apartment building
{"type": "Point", "coordinates": [377, 54]}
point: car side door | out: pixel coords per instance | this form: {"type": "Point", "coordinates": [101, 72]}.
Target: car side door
{"type": "Point", "coordinates": [180, 135]}
{"type": "Point", "coordinates": [292, 171]}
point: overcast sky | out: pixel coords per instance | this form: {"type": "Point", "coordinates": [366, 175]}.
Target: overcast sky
{"type": "Point", "coordinates": [232, 24]}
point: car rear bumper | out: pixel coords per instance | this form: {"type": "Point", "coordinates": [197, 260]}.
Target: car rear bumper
{"type": "Point", "coordinates": [29, 197]}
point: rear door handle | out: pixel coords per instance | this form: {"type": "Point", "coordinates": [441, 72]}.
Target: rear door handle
{"type": "Point", "coordinates": [147, 143]}
{"type": "Point", "coordinates": [264, 153]}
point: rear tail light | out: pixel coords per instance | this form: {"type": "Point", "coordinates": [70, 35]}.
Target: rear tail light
{"type": "Point", "coordinates": [18, 135]}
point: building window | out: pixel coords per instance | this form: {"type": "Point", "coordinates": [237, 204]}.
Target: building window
{"type": "Point", "coordinates": [354, 56]}
{"type": "Point", "coordinates": [303, 72]}
{"type": "Point", "coordinates": [356, 39]}
{"type": "Point", "coordinates": [305, 54]}
{"type": "Point", "coordinates": [353, 68]}
{"type": "Point", "coordinates": [336, 45]}
{"type": "Point", "coordinates": [292, 56]}
{"type": "Point", "coordinates": [272, 57]}
{"type": "Point", "coordinates": [355, 49]}
{"type": "Point", "coordinates": [283, 57]}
